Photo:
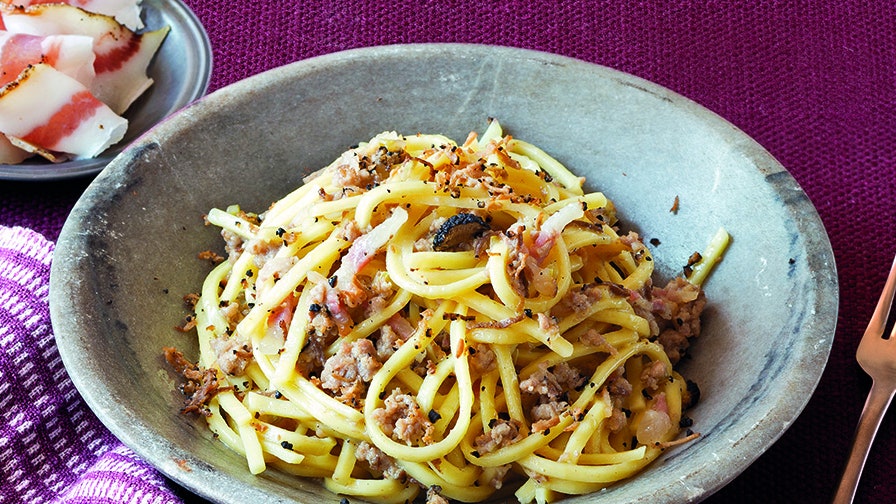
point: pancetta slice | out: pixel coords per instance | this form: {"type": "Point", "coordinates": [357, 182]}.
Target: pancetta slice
{"type": "Point", "coordinates": [70, 54]}
{"type": "Point", "coordinates": [126, 12]}
{"type": "Point", "coordinates": [122, 56]}
{"type": "Point", "coordinates": [46, 110]}
{"type": "Point", "coordinates": [10, 154]}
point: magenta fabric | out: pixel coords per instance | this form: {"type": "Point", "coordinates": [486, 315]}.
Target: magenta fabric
{"type": "Point", "coordinates": [814, 82]}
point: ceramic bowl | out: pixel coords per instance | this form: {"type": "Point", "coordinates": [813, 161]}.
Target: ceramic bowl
{"type": "Point", "coordinates": [181, 70]}
{"type": "Point", "coordinates": [128, 251]}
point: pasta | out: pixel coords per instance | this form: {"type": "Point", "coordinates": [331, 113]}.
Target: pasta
{"type": "Point", "coordinates": [456, 319]}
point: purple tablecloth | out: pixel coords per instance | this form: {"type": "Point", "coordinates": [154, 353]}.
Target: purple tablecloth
{"type": "Point", "coordinates": [814, 82]}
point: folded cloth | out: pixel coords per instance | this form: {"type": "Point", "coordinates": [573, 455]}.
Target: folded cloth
{"type": "Point", "coordinates": [52, 447]}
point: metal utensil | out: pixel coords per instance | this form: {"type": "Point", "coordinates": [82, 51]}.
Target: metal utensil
{"type": "Point", "coordinates": [877, 356]}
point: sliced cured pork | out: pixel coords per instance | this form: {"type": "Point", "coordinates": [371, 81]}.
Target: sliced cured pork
{"type": "Point", "coordinates": [126, 12]}
{"type": "Point", "coordinates": [10, 154]}
{"type": "Point", "coordinates": [122, 56]}
{"type": "Point", "coordinates": [46, 110]}
{"type": "Point", "coordinates": [70, 54]}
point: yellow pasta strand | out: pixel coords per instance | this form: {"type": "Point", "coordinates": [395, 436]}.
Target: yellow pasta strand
{"type": "Point", "coordinates": [428, 316]}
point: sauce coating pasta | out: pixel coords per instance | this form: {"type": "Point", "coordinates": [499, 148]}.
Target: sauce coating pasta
{"type": "Point", "coordinates": [455, 320]}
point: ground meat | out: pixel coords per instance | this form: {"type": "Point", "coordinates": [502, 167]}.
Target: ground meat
{"type": "Point", "coordinates": [673, 313]}
{"type": "Point", "coordinates": [502, 433]}
{"type": "Point", "coordinates": [551, 387]}
{"type": "Point", "coordinates": [547, 414]}
{"type": "Point", "coordinates": [577, 301]}
{"type": "Point", "coordinates": [232, 354]}
{"type": "Point", "coordinates": [654, 375]}
{"type": "Point", "coordinates": [347, 372]}
{"type": "Point", "coordinates": [618, 386]}
{"type": "Point", "coordinates": [359, 173]}
{"type": "Point", "coordinates": [233, 244]}
{"type": "Point", "coordinates": [681, 304]}
{"type": "Point", "coordinates": [593, 337]}
{"type": "Point", "coordinates": [380, 291]}
{"type": "Point", "coordinates": [615, 391]}
{"type": "Point", "coordinates": [232, 313]}
{"type": "Point", "coordinates": [402, 419]}
{"type": "Point", "coordinates": [393, 334]}
{"type": "Point", "coordinates": [211, 256]}
{"type": "Point", "coordinates": [553, 383]}
{"type": "Point", "coordinates": [434, 496]}
{"type": "Point", "coordinates": [380, 464]}
{"type": "Point", "coordinates": [482, 360]}
{"type": "Point", "coordinates": [191, 299]}
{"type": "Point", "coordinates": [200, 385]}
{"type": "Point", "coordinates": [351, 175]}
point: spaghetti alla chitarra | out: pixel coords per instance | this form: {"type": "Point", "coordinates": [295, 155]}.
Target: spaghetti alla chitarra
{"type": "Point", "coordinates": [451, 319]}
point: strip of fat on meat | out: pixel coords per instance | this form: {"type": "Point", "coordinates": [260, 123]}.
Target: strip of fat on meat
{"type": "Point", "coordinates": [44, 109]}
{"type": "Point", "coordinates": [11, 154]}
{"type": "Point", "coordinates": [122, 56]}
{"type": "Point", "coordinates": [126, 12]}
{"type": "Point", "coordinates": [70, 54]}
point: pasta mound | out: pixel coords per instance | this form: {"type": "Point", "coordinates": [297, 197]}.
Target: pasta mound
{"type": "Point", "coordinates": [454, 320]}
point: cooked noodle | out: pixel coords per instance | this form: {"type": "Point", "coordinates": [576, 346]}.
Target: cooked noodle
{"type": "Point", "coordinates": [452, 318]}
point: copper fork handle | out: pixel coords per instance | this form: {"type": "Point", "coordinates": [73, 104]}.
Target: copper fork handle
{"type": "Point", "coordinates": [876, 405]}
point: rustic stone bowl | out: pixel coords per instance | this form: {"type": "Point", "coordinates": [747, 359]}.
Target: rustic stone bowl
{"type": "Point", "coordinates": [128, 251]}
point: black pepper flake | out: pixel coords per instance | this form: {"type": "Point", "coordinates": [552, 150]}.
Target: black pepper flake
{"type": "Point", "coordinates": [280, 232]}
{"type": "Point", "coordinates": [685, 422]}
{"type": "Point", "coordinates": [689, 432]}
{"type": "Point", "coordinates": [165, 291]}
{"type": "Point", "coordinates": [277, 394]}
{"type": "Point", "coordinates": [655, 242]}
{"type": "Point", "coordinates": [249, 273]}
{"type": "Point", "coordinates": [314, 308]}
{"type": "Point", "coordinates": [475, 453]}
{"type": "Point", "coordinates": [332, 281]}
{"type": "Point", "coordinates": [344, 501]}
{"type": "Point", "coordinates": [791, 261]}
{"type": "Point", "coordinates": [634, 442]}
{"type": "Point", "coordinates": [546, 432]}
{"type": "Point", "coordinates": [434, 416]}
{"type": "Point", "coordinates": [528, 312]}
{"type": "Point", "coordinates": [286, 445]}
{"type": "Point", "coordinates": [382, 395]}
{"type": "Point", "coordinates": [646, 394]}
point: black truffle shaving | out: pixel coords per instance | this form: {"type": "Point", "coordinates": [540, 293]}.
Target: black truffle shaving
{"type": "Point", "coordinates": [457, 230]}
